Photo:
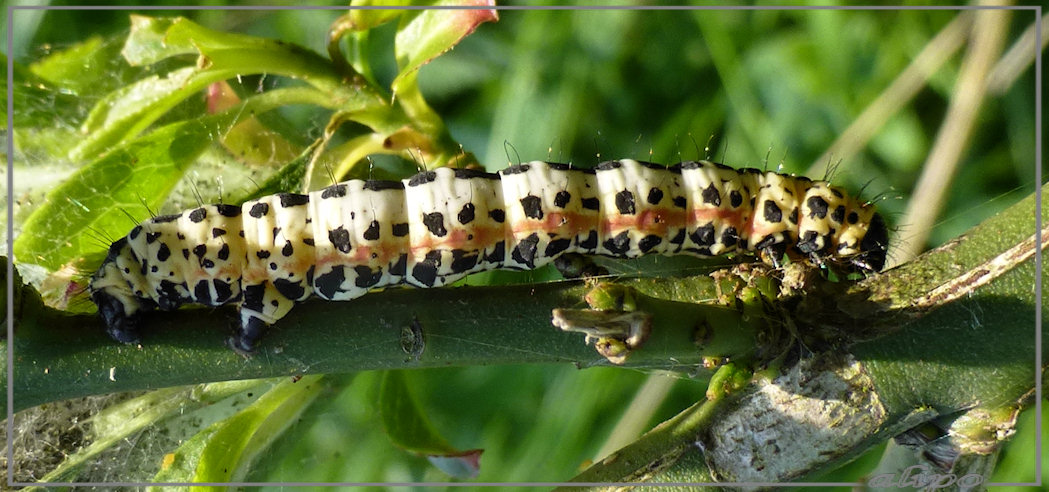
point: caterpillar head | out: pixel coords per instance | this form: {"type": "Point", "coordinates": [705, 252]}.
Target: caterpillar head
{"type": "Point", "coordinates": [113, 291]}
{"type": "Point", "coordinates": [869, 255]}
{"type": "Point", "coordinates": [840, 230]}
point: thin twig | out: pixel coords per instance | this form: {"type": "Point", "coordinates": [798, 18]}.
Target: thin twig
{"type": "Point", "coordinates": [635, 419]}
{"type": "Point", "coordinates": [896, 95]}
{"type": "Point", "coordinates": [1019, 57]}
{"type": "Point", "coordinates": [989, 30]}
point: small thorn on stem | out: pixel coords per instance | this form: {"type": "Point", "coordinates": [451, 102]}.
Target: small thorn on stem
{"type": "Point", "coordinates": [616, 333]}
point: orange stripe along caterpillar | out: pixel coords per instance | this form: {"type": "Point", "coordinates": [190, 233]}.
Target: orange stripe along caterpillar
{"type": "Point", "coordinates": [436, 227]}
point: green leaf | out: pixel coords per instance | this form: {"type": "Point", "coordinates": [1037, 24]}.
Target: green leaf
{"type": "Point", "coordinates": [155, 38]}
{"type": "Point", "coordinates": [132, 180]}
{"type": "Point", "coordinates": [249, 54]}
{"type": "Point", "coordinates": [37, 106]}
{"type": "Point", "coordinates": [409, 429]}
{"type": "Point", "coordinates": [289, 177]}
{"type": "Point", "coordinates": [365, 19]}
{"type": "Point", "coordinates": [146, 43]}
{"type": "Point", "coordinates": [225, 451]}
{"type": "Point", "coordinates": [84, 67]}
{"type": "Point", "coordinates": [424, 35]}
{"type": "Point", "coordinates": [250, 141]}
{"type": "Point", "coordinates": [130, 110]}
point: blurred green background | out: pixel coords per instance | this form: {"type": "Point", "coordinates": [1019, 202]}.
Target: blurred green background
{"type": "Point", "coordinates": [765, 88]}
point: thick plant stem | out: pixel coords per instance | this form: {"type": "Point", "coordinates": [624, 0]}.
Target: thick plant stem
{"type": "Point", "coordinates": [60, 356]}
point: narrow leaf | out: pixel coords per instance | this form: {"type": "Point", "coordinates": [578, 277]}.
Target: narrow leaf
{"type": "Point", "coordinates": [135, 101]}
{"type": "Point", "coordinates": [155, 38]}
{"type": "Point", "coordinates": [225, 451]}
{"type": "Point", "coordinates": [425, 34]}
{"type": "Point", "coordinates": [114, 424]}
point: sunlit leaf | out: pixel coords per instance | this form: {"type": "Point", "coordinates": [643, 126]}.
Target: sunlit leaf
{"type": "Point", "coordinates": [425, 34]}
{"type": "Point", "coordinates": [105, 198]}
{"type": "Point", "coordinates": [289, 177]}
{"type": "Point", "coordinates": [130, 110]}
{"type": "Point", "coordinates": [39, 106]}
{"type": "Point", "coordinates": [224, 451]}
{"type": "Point", "coordinates": [85, 67]}
{"type": "Point", "coordinates": [95, 200]}
{"type": "Point", "coordinates": [132, 103]}
{"type": "Point", "coordinates": [146, 42]}
{"type": "Point", "coordinates": [155, 38]}
{"type": "Point", "coordinates": [114, 424]}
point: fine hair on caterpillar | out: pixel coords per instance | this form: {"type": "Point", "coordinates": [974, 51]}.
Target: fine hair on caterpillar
{"type": "Point", "coordinates": [433, 228]}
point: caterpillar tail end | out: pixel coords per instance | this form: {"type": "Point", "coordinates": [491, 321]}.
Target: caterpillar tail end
{"type": "Point", "coordinates": [120, 326]}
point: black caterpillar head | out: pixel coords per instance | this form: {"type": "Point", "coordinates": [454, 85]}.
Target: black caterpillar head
{"type": "Point", "coordinates": [873, 248]}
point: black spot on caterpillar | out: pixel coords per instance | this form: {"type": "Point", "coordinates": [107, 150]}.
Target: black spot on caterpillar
{"type": "Point", "coordinates": [439, 226]}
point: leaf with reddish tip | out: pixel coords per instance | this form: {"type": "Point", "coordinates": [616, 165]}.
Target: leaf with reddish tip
{"type": "Point", "coordinates": [409, 429]}
{"type": "Point", "coordinates": [425, 34]}
{"type": "Point", "coordinates": [464, 465]}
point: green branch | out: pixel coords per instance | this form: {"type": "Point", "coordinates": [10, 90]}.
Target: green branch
{"type": "Point", "coordinates": [60, 356]}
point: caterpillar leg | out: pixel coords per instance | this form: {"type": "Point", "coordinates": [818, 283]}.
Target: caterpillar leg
{"type": "Point", "coordinates": [574, 265]}
{"type": "Point", "coordinates": [774, 254]}
{"type": "Point", "coordinates": [262, 306]}
{"type": "Point", "coordinates": [247, 334]}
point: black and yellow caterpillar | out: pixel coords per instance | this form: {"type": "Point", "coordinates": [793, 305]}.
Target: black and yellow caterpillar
{"type": "Point", "coordinates": [438, 226]}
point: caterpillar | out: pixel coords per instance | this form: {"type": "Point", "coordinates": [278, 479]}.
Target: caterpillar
{"type": "Point", "coordinates": [431, 229]}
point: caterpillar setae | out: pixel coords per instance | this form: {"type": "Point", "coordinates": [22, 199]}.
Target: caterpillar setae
{"type": "Point", "coordinates": [436, 227]}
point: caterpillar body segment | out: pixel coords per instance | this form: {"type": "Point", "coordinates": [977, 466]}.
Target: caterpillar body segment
{"type": "Point", "coordinates": [438, 226]}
